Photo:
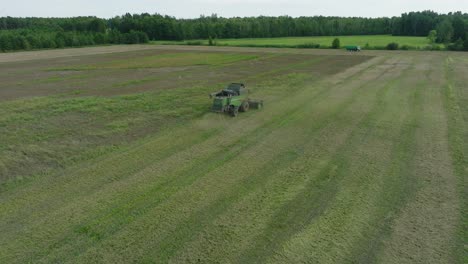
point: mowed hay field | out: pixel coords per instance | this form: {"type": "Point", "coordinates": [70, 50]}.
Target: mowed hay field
{"type": "Point", "coordinates": [113, 157]}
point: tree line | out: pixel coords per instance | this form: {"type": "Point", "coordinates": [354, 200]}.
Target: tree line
{"type": "Point", "coordinates": [36, 33]}
{"type": "Point", "coordinates": [49, 33]}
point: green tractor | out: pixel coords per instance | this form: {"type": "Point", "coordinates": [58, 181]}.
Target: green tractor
{"type": "Point", "coordinates": [353, 48]}
{"type": "Point", "coordinates": [234, 99]}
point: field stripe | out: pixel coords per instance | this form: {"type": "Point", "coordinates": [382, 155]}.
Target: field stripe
{"type": "Point", "coordinates": [425, 231]}
{"type": "Point", "coordinates": [456, 108]}
{"type": "Point", "coordinates": [399, 181]}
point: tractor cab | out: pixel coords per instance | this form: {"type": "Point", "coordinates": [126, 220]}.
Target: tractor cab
{"type": "Point", "coordinates": [233, 89]}
{"type": "Point", "coordinates": [225, 93]}
{"type": "Point", "coordinates": [238, 88]}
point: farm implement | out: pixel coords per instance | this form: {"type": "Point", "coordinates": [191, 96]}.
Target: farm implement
{"type": "Point", "coordinates": [353, 48]}
{"type": "Point", "coordinates": [234, 99]}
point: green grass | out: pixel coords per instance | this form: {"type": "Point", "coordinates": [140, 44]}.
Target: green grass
{"type": "Point", "coordinates": [165, 60]}
{"type": "Point", "coordinates": [32, 127]}
{"type": "Point", "coordinates": [353, 159]}
{"type": "Point", "coordinates": [456, 109]}
{"type": "Point", "coordinates": [372, 41]}
{"type": "Point", "coordinates": [55, 131]}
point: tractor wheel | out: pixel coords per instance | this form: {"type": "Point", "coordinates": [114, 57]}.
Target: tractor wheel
{"type": "Point", "coordinates": [234, 111]}
{"type": "Point", "coordinates": [244, 107]}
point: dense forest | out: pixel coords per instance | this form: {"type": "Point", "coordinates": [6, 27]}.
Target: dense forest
{"type": "Point", "coordinates": [37, 33]}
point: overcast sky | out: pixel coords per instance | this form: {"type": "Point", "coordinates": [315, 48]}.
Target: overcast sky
{"type": "Point", "coordinates": [225, 8]}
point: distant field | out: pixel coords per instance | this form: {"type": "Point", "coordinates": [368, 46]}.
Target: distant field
{"type": "Point", "coordinates": [116, 157]}
{"type": "Point", "coordinates": [324, 41]}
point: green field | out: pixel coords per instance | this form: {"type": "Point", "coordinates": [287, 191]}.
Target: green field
{"type": "Point", "coordinates": [371, 41]}
{"type": "Point", "coordinates": [114, 157]}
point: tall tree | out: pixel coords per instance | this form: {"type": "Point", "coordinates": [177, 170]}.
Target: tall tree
{"type": "Point", "coordinates": [460, 28]}
{"type": "Point", "coordinates": [445, 31]}
{"type": "Point", "coordinates": [432, 37]}
{"type": "Point", "coordinates": [97, 25]}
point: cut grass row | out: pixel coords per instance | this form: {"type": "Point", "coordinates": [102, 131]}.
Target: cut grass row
{"type": "Point", "coordinates": [413, 234]}
{"type": "Point", "coordinates": [455, 97]}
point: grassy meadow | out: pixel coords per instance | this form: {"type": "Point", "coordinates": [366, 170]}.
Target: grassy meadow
{"type": "Point", "coordinates": [116, 158]}
{"type": "Point", "coordinates": [366, 42]}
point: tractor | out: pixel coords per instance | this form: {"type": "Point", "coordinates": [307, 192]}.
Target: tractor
{"type": "Point", "coordinates": [234, 99]}
{"type": "Point", "coordinates": [353, 48]}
